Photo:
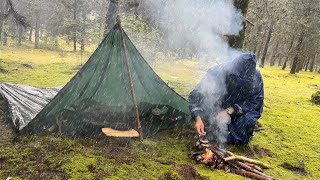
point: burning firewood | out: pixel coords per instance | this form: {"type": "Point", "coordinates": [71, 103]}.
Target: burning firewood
{"type": "Point", "coordinates": [217, 158]}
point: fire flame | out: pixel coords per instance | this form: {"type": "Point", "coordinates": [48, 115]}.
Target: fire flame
{"type": "Point", "coordinates": [207, 155]}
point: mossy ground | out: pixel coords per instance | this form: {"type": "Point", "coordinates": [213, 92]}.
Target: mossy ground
{"type": "Point", "coordinates": [290, 141]}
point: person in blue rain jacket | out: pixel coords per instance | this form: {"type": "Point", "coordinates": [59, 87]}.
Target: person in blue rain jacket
{"type": "Point", "coordinates": [231, 90]}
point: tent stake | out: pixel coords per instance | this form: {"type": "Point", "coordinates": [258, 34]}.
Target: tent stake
{"type": "Point", "coordinates": [130, 79]}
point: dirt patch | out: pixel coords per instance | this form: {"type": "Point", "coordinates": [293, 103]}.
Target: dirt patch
{"type": "Point", "coordinates": [27, 66]}
{"type": "Point", "coordinates": [2, 161]}
{"type": "Point", "coordinates": [121, 155]}
{"type": "Point", "coordinates": [115, 148]}
{"type": "Point", "coordinates": [299, 169]}
{"type": "Point", "coordinates": [187, 132]}
{"type": "Point", "coordinates": [314, 86]}
{"type": "Point", "coordinates": [188, 172]}
{"type": "Point", "coordinates": [2, 70]}
{"type": "Point", "coordinates": [68, 72]}
{"type": "Point", "coordinates": [262, 151]}
{"type": "Point", "coordinates": [256, 150]}
{"type": "Point", "coordinates": [249, 153]}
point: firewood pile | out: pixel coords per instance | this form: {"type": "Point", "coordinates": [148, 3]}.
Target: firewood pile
{"type": "Point", "coordinates": [217, 158]}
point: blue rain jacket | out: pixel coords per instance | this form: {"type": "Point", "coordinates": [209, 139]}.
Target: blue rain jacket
{"type": "Point", "coordinates": [236, 84]}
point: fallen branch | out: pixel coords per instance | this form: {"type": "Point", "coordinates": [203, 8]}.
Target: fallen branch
{"type": "Point", "coordinates": [249, 174]}
{"type": "Point", "coordinates": [248, 21]}
{"type": "Point", "coordinates": [246, 167]}
{"type": "Point", "coordinates": [245, 159]}
{"type": "Point", "coordinates": [254, 166]}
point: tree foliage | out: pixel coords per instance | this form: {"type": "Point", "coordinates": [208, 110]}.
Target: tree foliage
{"type": "Point", "coordinates": [293, 27]}
{"type": "Point", "coordinates": [285, 32]}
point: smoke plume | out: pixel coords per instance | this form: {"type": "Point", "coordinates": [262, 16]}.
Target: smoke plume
{"type": "Point", "coordinates": [197, 25]}
{"type": "Point", "coordinates": [202, 27]}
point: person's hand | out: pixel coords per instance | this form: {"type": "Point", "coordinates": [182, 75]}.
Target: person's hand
{"type": "Point", "coordinates": [199, 126]}
{"type": "Point", "coordinates": [223, 115]}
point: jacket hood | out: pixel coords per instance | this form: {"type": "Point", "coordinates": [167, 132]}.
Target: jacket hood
{"type": "Point", "coordinates": [244, 66]}
{"type": "Point", "coordinates": [241, 75]}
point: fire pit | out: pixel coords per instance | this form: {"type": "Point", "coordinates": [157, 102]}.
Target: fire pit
{"type": "Point", "coordinates": [217, 158]}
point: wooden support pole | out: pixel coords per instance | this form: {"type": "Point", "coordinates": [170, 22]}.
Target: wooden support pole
{"type": "Point", "coordinates": [130, 78]}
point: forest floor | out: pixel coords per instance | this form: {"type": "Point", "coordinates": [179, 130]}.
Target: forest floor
{"type": "Point", "coordinates": [290, 141]}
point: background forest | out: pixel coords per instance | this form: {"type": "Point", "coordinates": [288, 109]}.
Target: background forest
{"type": "Point", "coordinates": [281, 33]}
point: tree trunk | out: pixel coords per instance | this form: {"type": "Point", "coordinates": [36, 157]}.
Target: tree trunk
{"type": "Point", "coordinates": [136, 7]}
{"type": "Point", "coordinates": [37, 31]}
{"type": "Point", "coordinates": [133, 6]}
{"type": "Point", "coordinates": [237, 41]}
{"type": "Point", "coordinates": [111, 15]}
{"type": "Point", "coordinates": [30, 34]}
{"type": "Point", "coordinates": [280, 61]}
{"type": "Point", "coordinates": [74, 30]}
{"type": "Point", "coordinates": [56, 43]}
{"type": "Point", "coordinates": [82, 45]}
{"type": "Point", "coordinates": [1, 26]}
{"type": "Point", "coordinates": [260, 46]}
{"type": "Point", "coordinates": [294, 65]}
{"type": "Point", "coordinates": [311, 66]}
{"type": "Point", "coordinates": [20, 34]}
{"type": "Point", "coordinates": [83, 32]}
{"type": "Point", "coordinates": [274, 55]}
{"type": "Point", "coordinates": [296, 56]}
{"type": "Point", "coordinates": [45, 40]}
{"type": "Point", "coordinates": [255, 49]}
{"type": "Point", "coordinates": [5, 38]}
{"type": "Point", "coordinates": [265, 50]}
{"type": "Point", "coordinates": [82, 50]}
{"type": "Point", "coordinates": [299, 65]}
{"type": "Point", "coordinates": [2, 7]}
{"type": "Point", "coordinates": [307, 64]}
{"type": "Point", "coordinates": [256, 39]}
{"type": "Point", "coordinates": [287, 58]}
{"type": "Point", "coordinates": [301, 61]}
{"type": "Point", "coordinates": [285, 63]}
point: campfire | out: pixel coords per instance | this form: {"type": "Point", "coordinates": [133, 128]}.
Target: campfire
{"type": "Point", "coordinates": [217, 158]}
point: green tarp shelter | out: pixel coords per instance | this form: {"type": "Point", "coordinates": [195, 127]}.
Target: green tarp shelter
{"type": "Point", "coordinates": [99, 95]}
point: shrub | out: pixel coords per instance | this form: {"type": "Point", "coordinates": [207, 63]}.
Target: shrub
{"type": "Point", "coordinates": [315, 98]}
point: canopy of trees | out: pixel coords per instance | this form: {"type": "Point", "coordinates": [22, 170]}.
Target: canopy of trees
{"type": "Point", "coordinates": [284, 33]}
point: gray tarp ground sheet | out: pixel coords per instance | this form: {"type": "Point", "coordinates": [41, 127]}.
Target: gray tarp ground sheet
{"type": "Point", "coordinates": [25, 102]}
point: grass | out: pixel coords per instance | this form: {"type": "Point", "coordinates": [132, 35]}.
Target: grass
{"type": "Point", "coordinates": [39, 67]}
{"type": "Point", "coordinates": [290, 141]}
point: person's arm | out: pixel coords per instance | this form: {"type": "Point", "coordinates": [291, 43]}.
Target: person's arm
{"type": "Point", "coordinates": [208, 85]}
{"type": "Point", "coordinates": [197, 96]}
{"type": "Point", "coordinates": [195, 100]}
{"type": "Point", "coordinates": [226, 113]}
{"type": "Point", "coordinates": [255, 102]}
